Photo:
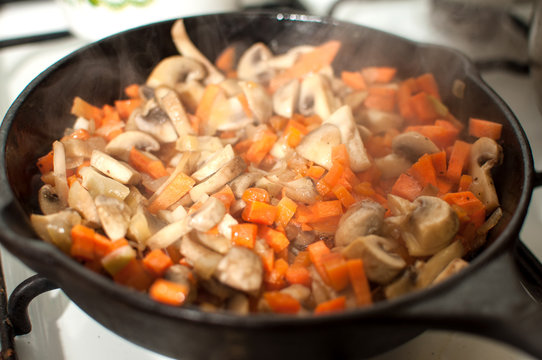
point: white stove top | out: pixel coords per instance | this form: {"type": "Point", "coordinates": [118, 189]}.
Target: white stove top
{"type": "Point", "coordinates": [62, 331]}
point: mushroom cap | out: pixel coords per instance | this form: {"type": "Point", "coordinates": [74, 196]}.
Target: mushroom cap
{"type": "Point", "coordinates": [412, 145]}
{"type": "Point", "coordinates": [485, 154]}
{"type": "Point", "coordinates": [241, 269]}
{"type": "Point", "coordinates": [363, 218]}
{"type": "Point", "coordinates": [380, 262]}
{"type": "Point", "coordinates": [285, 99]}
{"type": "Point", "coordinates": [317, 145]}
{"type": "Point", "coordinates": [253, 65]}
{"type": "Point", "coordinates": [121, 145]}
{"type": "Point", "coordinates": [114, 216]}
{"type": "Point", "coordinates": [48, 200]}
{"type": "Point", "coordinates": [175, 69]}
{"type": "Point", "coordinates": [430, 227]}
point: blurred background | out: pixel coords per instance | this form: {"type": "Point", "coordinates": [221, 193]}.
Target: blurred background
{"type": "Point", "coordinates": [494, 33]}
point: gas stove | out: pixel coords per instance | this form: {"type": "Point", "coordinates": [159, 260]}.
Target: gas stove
{"type": "Point", "coordinates": [60, 330]}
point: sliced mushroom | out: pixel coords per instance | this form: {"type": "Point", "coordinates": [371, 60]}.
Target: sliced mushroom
{"type": "Point", "coordinates": [114, 216]}
{"type": "Point", "coordinates": [208, 215]}
{"type": "Point", "coordinates": [485, 154]}
{"type": "Point", "coordinates": [121, 145]}
{"type": "Point", "coordinates": [430, 227]}
{"type": "Point", "coordinates": [315, 96]}
{"type": "Point", "coordinates": [285, 99]}
{"type": "Point", "coordinates": [243, 182]}
{"type": "Point", "coordinates": [190, 93]}
{"type": "Point", "coordinates": [142, 226]}
{"type": "Point", "coordinates": [187, 48]}
{"type": "Point", "coordinates": [204, 260]}
{"type": "Point", "coordinates": [299, 292]}
{"type": "Point", "coordinates": [437, 263]}
{"type": "Point", "coordinates": [344, 120]}
{"type": "Point", "coordinates": [412, 145]}
{"type": "Point", "coordinates": [392, 165]}
{"type": "Point", "coordinates": [214, 163]}
{"type": "Point", "coordinates": [253, 64]}
{"type": "Point", "coordinates": [176, 69]}
{"type": "Point", "coordinates": [455, 266]}
{"type": "Point", "coordinates": [113, 168]}
{"type": "Point", "coordinates": [258, 99]}
{"type": "Point", "coordinates": [405, 284]}
{"type": "Point", "coordinates": [288, 59]}
{"type": "Point", "coordinates": [169, 234]}
{"type": "Point", "coordinates": [98, 184]}
{"type": "Point", "coordinates": [363, 218]}
{"type": "Point", "coordinates": [59, 172]}
{"type": "Point", "coordinates": [380, 261]}
{"type": "Point", "coordinates": [48, 200]}
{"type": "Point", "coordinates": [380, 121]}
{"type": "Point", "coordinates": [81, 200]}
{"type": "Point", "coordinates": [399, 206]}
{"type": "Point", "coordinates": [215, 182]}
{"type": "Point", "coordinates": [227, 114]}
{"type": "Point", "coordinates": [215, 242]}
{"type": "Point", "coordinates": [301, 190]}
{"type": "Point", "coordinates": [241, 269]}
{"type": "Point", "coordinates": [224, 226]}
{"type": "Point", "coordinates": [238, 304]}
{"type": "Point", "coordinates": [155, 122]}
{"type": "Point", "coordinates": [55, 228]}
{"type": "Point", "coordinates": [172, 105]}
{"type": "Point", "coordinates": [317, 145]}
{"type": "Point", "coordinates": [198, 143]}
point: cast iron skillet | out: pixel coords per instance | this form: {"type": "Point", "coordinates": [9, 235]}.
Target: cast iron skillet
{"type": "Point", "coordinates": [485, 299]}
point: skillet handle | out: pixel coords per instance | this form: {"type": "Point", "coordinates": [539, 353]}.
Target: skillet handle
{"type": "Point", "coordinates": [500, 300]}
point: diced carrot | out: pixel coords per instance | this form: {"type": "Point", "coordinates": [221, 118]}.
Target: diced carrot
{"type": "Point", "coordinates": [439, 163]}
{"type": "Point", "coordinates": [132, 91]}
{"type": "Point", "coordinates": [354, 79]}
{"type": "Point", "coordinates": [168, 292]}
{"type": "Point", "coordinates": [297, 274]}
{"type": "Point", "coordinates": [126, 107]}
{"type": "Point", "coordinates": [87, 244]}
{"type": "Point", "coordinates": [205, 105]}
{"type": "Point", "coordinates": [275, 239]}
{"type": "Point", "coordinates": [444, 185]}
{"type": "Point", "coordinates": [364, 188]}
{"type": "Point", "coordinates": [311, 61]}
{"type": "Point", "coordinates": [334, 174]}
{"type": "Point", "coordinates": [324, 210]}
{"type": "Point", "coordinates": [406, 187]}
{"type": "Point", "coordinates": [404, 92]}
{"type": "Point", "coordinates": [317, 250]}
{"type": "Point", "coordinates": [440, 135]}
{"type": "Point", "coordinates": [82, 108]}
{"type": "Point", "coordinates": [327, 226]}
{"type": "Point", "coordinates": [458, 160]}
{"type": "Point", "coordinates": [157, 262]}
{"type": "Point", "coordinates": [359, 281]}
{"type": "Point", "coordinates": [176, 189]}
{"type": "Point", "coordinates": [315, 172]}
{"type": "Point", "coordinates": [282, 303]}
{"type": "Point", "coordinates": [379, 74]}
{"type": "Point", "coordinates": [286, 209]}
{"type": "Point", "coordinates": [464, 182]}
{"type": "Point", "coordinates": [294, 132]}
{"type": "Point", "coordinates": [45, 163]}
{"type": "Point", "coordinates": [484, 128]}
{"type": "Point", "coordinates": [225, 61]}
{"type": "Point", "coordinates": [278, 123]}
{"type": "Point", "coordinates": [276, 278]}
{"type": "Point", "coordinates": [344, 196]}
{"type": "Point", "coordinates": [226, 196]}
{"type": "Point", "coordinates": [260, 213]}
{"type": "Point", "coordinates": [143, 163]}
{"type": "Point", "coordinates": [267, 255]}
{"type": "Point", "coordinates": [424, 108]}
{"type": "Point", "coordinates": [244, 234]}
{"type": "Point", "coordinates": [424, 171]}
{"type": "Point", "coordinates": [380, 102]}
{"type": "Point", "coordinates": [134, 275]}
{"type": "Point", "coordinates": [334, 305]}
{"type": "Point", "coordinates": [261, 145]}
{"type": "Point", "coordinates": [428, 84]}
{"type": "Point", "coordinates": [340, 154]}
{"type": "Point", "coordinates": [474, 208]}
{"type": "Point", "coordinates": [256, 194]}
{"type": "Point", "coordinates": [337, 270]}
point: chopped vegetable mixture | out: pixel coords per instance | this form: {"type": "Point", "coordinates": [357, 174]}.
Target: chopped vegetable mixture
{"type": "Point", "coordinates": [264, 182]}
